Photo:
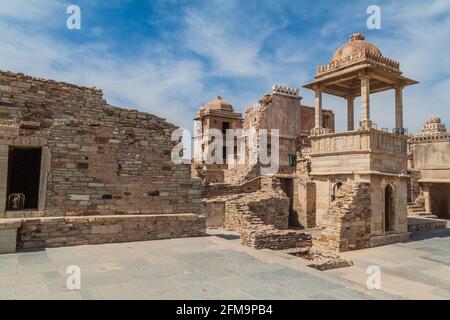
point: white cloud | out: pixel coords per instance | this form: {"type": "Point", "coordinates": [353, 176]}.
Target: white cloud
{"type": "Point", "coordinates": [224, 50]}
{"type": "Point", "coordinates": [168, 88]}
{"type": "Point", "coordinates": [229, 53]}
{"type": "Point", "coordinates": [28, 9]}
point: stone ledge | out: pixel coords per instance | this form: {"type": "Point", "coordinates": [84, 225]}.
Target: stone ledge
{"type": "Point", "coordinates": [416, 224]}
{"type": "Point", "coordinates": [10, 223]}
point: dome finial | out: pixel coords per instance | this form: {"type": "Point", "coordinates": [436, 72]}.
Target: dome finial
{"type": "Point", "coordinates": [357, 36]}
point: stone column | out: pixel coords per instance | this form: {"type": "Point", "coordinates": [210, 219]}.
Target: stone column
{"type": "Point", "coordinates": [426, 188]}
{"type": "Point", "coordinates": [45, 169]}
{"type": "Point", "coordinates": [318, 109]}
{"type": "Point", "coordinates": [350, 113]}
{"type": "Point", "coordinates": [399, 109]}
{"type": "Point", "coordinates": [365, 102]}
{"type": "Point", "coordinates": [4, 151]}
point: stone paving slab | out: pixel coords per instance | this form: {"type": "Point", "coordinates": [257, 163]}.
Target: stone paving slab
{"type": "Point", "coordinates": [216, 268]}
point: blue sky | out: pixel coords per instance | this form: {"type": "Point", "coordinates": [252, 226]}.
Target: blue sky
{"type": "Point", "coordinates": [169, 57]}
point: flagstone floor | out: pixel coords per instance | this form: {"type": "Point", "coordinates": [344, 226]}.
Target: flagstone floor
{"type": "Point", "coordinates": [218, 267]}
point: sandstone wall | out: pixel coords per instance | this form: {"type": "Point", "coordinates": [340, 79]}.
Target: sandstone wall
{"type": "Point", "coordinates": [103, 160]}
{"type": "Point", "coordinates": [348, 220]}
{"type": "Point", "coordinates": [64, 231]}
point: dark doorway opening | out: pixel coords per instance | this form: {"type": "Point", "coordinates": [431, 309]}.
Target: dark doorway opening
{"type": "Point", "coordinates": [24, 170]}
{"type": "Point", "coordinates": [440, 199]}
{"type": "Point", "coordinates": [389, 209]}
{"type": "Point", "coordinates": [287, 185]}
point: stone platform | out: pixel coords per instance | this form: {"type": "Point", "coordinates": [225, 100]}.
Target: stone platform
{"type": "Point", "coordinates": [423, 224]}
{"type": "Point", "coordinates": [68, 231]}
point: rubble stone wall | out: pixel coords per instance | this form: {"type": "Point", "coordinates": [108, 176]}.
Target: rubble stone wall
{"type": "Point", "coordinates": [267, 238]}
{"type": "Point", "coordinates": [223, 189]}
{"type": "Point", "coordinates": [258, 208]}
{"type": "Point", "coordinates": [348, 219]}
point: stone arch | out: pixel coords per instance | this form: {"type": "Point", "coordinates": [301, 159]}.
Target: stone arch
{"type": "Point", "coordinates": [335, 189]}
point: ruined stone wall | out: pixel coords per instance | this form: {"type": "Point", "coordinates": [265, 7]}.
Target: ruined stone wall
{"type": "Point", "coordinates": [210, 173]}
{"type": "Point", "coordinates": [267, 238]}
{"type": "Point", "coordinates": [348, 219]}
{"type": "Point", "coordinates": [224, 189]}
{"type": "Point", "coordinates": [307, 123]}
{"type": "Point", "coordinates": [258, 208]}
{"type": "Point", "coordinates": [281, 112]}
{"type": "Point", "coordinates": [103, 160]}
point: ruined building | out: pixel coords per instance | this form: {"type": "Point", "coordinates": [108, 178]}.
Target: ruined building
{"type": "Point", "coordinates": [430, 171]}
{"type": "Point", "coordinates": [348, 190]}
{"type": "Point", "coordinates": [361, 155]}
{"type": "Point", "coordinates": [75, 170]}
{"type": "Point", "coordinates": [220, 115]}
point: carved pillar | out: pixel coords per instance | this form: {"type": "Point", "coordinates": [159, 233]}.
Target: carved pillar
{"type": "Point", "coordinates": [399, 109]}
{"type": "Point", "coordinates": [365, 102]}
{"type": "Point", "coordinates": [350, 113]}
{"type": "Point", "coordinates": [318, 109]}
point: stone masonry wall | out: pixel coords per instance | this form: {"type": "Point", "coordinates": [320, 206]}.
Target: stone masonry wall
{"type": "Point", "coordinates": [104, 160]}
{"type": "Point", "coordinates": [63, 231]}
{"type": "Point", "coordinates": [268, 238]}
{"type": "Point", "coordinates": [348, 219]}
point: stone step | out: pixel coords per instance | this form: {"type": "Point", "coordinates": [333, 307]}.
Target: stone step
{"type": "Point", "coordinates": [421, 213]}
{"type": "Point", "coordinates": [421, 224]}
{"type": "Point", "coordinates": [417, 210]}
{"type": "Point", "coordinates": [417, 207]}
{"type": "Point", "coordinates": [414, 205]}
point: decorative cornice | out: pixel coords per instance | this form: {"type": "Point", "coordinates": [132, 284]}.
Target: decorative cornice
{"type": "Point", "coordinates": [363, 55]}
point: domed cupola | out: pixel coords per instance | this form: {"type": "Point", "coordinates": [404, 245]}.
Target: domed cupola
{"type": "Point", "coordinates": [356, 45]}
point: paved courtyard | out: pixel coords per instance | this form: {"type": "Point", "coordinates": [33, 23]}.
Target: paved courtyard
{"type": "Point", "coordinates": [218, 267]}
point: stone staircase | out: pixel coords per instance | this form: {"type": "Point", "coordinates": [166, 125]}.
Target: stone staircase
{"type": "Point", "coordinates": [418, 210]}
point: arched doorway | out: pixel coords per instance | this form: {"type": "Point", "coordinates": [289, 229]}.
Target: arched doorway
{"type": "Point", "coordinates": [336, 187]}
{"type": "Point", "coordinates": [389, 209]}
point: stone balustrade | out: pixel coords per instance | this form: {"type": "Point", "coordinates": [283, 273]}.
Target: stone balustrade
{"type": "Point", "coordinates": [370, 140]}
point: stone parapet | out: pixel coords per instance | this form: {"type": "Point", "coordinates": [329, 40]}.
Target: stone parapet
{"type": "Point", "coordinates": [370, 140]}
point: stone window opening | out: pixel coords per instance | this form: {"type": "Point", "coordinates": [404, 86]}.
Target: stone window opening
{"type": "Point", "coordinates": [224, 153]}
{"type": "Point", "coordinates": [292, 160]}
{"type": "Point", "coordinates": [24, 172]}
{"type": "Point", "coordinates": [225, 127]}
{"type": "Point", "coordinates": [336, 187]}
